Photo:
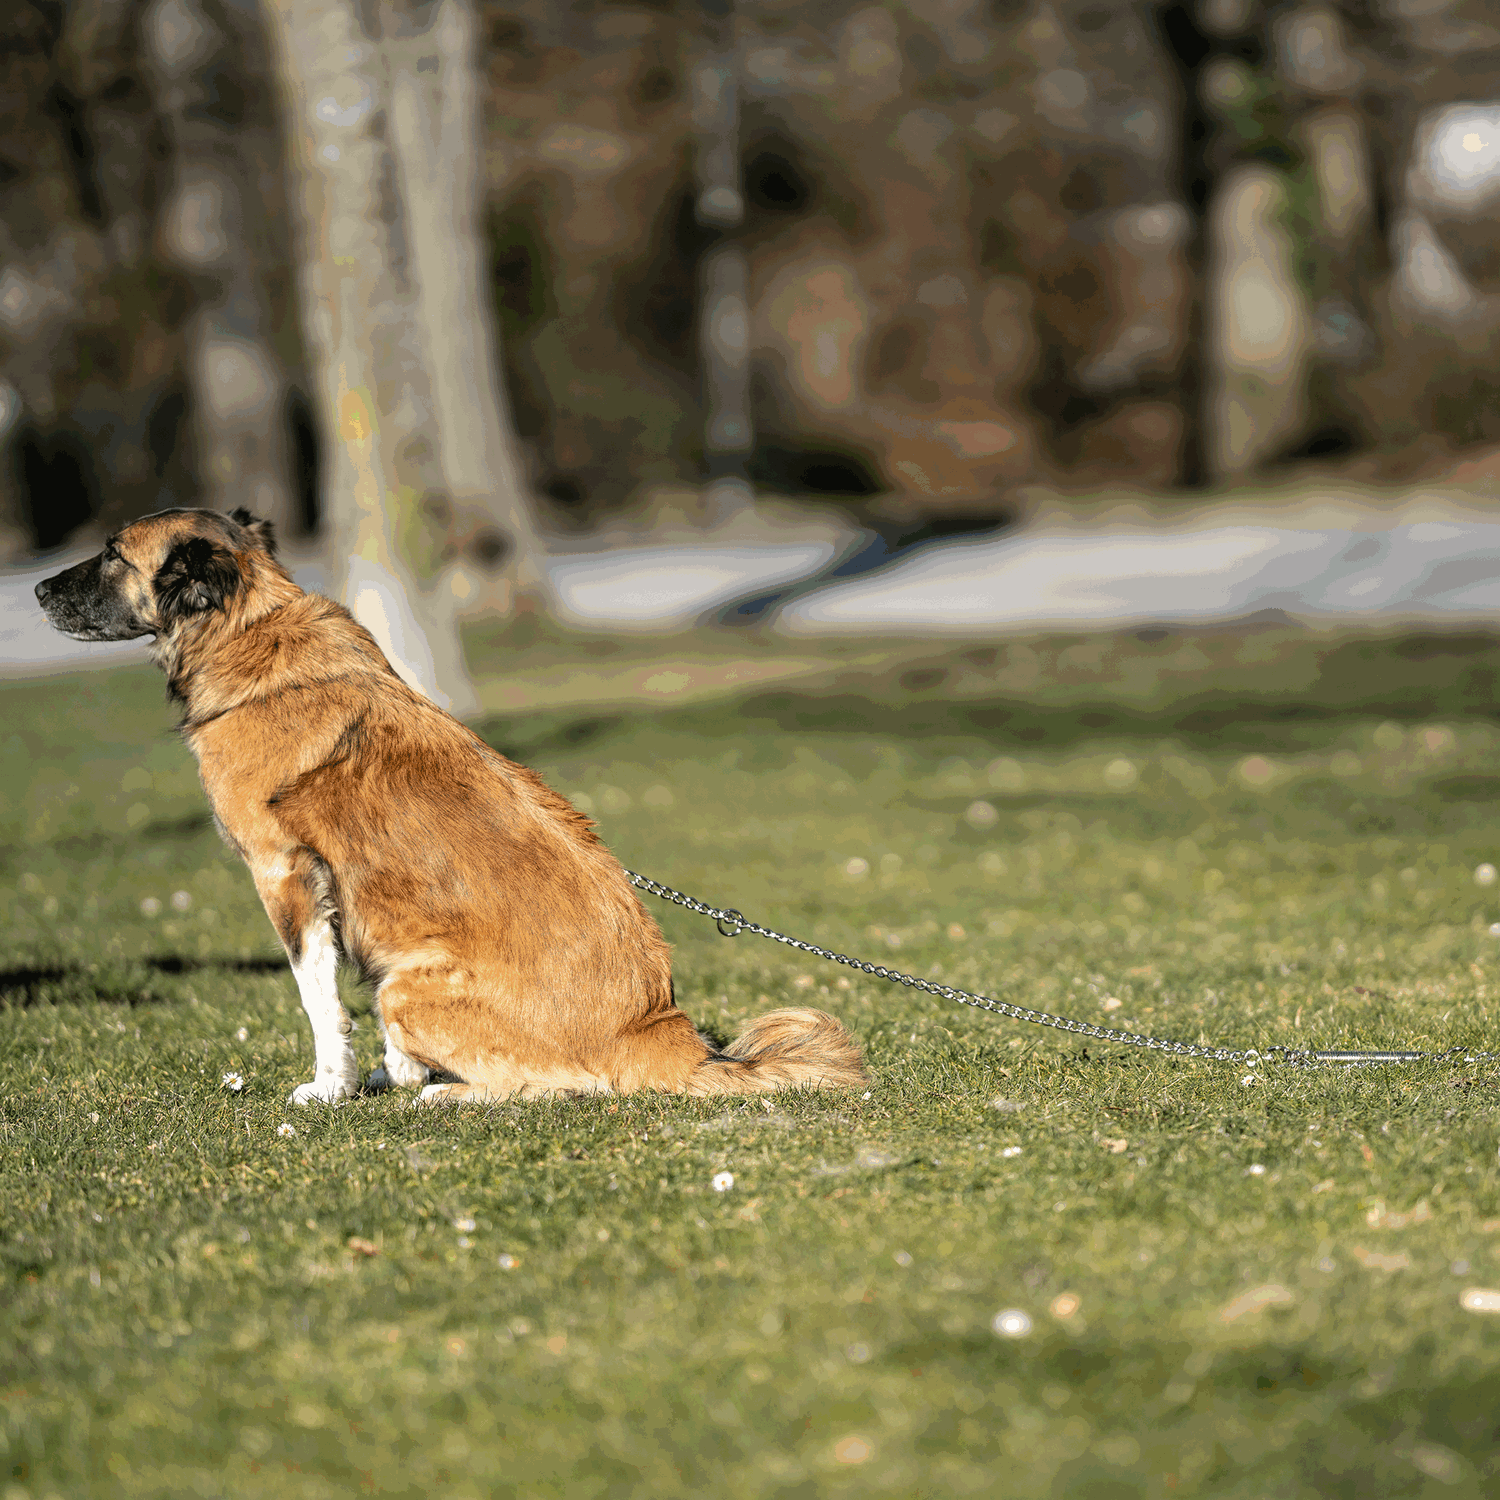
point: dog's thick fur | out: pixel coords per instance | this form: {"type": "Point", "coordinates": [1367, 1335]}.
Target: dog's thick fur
{"type": "Point", "coordinates": [506, 947]}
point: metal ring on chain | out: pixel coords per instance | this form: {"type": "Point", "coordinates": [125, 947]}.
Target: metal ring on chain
{"type": "Point", "coordinates": [731, 923]}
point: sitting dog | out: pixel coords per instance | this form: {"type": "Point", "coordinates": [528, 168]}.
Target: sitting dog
{"type": "Point", "coordinates": [506, 947]}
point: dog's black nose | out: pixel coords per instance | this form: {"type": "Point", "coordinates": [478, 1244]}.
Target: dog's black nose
{"type": "Point", "coordinates": [42, 590]}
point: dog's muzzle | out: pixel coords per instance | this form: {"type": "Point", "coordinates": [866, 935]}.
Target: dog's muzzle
{"type": "Point", "coordinates": [75, 603]}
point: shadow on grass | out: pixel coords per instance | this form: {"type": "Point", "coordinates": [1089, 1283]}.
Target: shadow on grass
{"type": "Point", "coordinates": [1407, 679]}
{"type": "Point", "coordinates": [83, 984]}
{"type": "Point", "coordinates": [172, 964]}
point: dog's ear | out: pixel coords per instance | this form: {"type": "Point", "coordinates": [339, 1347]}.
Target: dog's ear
{"type": "Point", "coordinates": [196, 577]}
{"type": "Point", "coordinates": [264, 532]}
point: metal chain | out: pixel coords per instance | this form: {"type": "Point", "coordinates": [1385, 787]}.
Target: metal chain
{"type": "Point", "coordinates": [731, 923]}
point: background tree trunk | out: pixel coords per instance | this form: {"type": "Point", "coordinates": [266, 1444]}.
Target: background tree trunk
{"type": "Point", "coordinates": [436, 137]}
{"type": "Point", "coordinates": [724, 313]}
{"type": "Point", "coordinates": [382, 124]}
{"type": "Point", "coordinates": [220, 230]}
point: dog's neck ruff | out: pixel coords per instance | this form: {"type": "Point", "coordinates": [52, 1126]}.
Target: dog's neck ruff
{"type": "Point", "coordinates": [233, 662]}
{"type": "Point", "coordinates": [192, 653]}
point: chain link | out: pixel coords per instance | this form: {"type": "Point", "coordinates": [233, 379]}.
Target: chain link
{"type": "Point", "coordinates": [731, 923]}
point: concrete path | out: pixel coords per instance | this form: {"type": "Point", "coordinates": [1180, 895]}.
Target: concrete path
{"type": "Point", "coordinates": [1433, 557]}
{"type": "Point", "coordinates": [1419, 570]}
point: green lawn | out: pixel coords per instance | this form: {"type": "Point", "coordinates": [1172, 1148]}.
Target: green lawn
{"type": "Point", "coordinates": [1226, 1289]}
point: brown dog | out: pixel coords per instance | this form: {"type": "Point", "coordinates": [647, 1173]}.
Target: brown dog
{"type": "Point", "coordinates": [506, 947]}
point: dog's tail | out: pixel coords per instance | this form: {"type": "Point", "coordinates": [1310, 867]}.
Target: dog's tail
{"type": "Point", "coordinates": [783, 1049]}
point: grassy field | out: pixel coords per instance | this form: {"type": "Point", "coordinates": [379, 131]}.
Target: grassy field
{"type": "Point", "coordinates": [1017, 1266]}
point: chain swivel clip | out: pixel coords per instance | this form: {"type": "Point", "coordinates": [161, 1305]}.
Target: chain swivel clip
{"type": "Point", "coordinates": [736, 920]}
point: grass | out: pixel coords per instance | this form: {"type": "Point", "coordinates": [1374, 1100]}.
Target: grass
{"type": "Point", "coordinates": [1264, 838]}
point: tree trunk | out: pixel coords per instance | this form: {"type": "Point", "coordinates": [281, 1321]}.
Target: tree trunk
{"type": "Point", "coordinates": [215, 229]}
{"type": "Point", "coordinates": [724, 316]}
{"type": "Point", "coordinates": [437, 139]}
{"type": "Point", "coordinates": [382, 122]}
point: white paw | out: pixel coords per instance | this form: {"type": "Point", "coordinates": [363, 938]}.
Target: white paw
{"type": "Point", "coordinates": [323, 1091]}
{"type": "Point", "coordinates": [436, 1093]}
{"type": "Point", "coordinates": [400, 1071]}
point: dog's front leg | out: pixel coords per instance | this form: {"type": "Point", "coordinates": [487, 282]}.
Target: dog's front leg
{"type": "Point", "coordinates": [336, 1073]}
{"type": "Point", "coordinates": [290, 894]}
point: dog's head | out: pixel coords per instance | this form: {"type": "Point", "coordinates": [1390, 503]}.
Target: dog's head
{"type": "Point", "coordinates": [158, 572]}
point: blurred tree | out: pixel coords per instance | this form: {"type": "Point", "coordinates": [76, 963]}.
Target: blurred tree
{"type": "Point", "coordinates": [224, 227]}
{"type": "Point", "coordinates": [1286, 94]}
{"type": "Point", "coordinates": [94, 399]}
{"type": "Point", "coordinates": [1195, 42]}
{"type": "Point", "coordinates": [423, 488]}
{"type": "Point", "coordinates": [1351, 104]}
{"type": "Point", "coordinates": [725, 317]}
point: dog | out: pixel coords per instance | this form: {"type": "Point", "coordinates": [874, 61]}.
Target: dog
{"type": "Point", "coordinates": [507, 949]}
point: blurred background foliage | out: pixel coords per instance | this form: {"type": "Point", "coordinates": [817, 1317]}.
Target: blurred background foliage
{"type": "Point", "coordinates": [994, 247]}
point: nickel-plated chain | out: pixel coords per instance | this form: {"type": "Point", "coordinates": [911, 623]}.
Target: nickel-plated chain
{"type": "Point", "coordinates": [731, 923]}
